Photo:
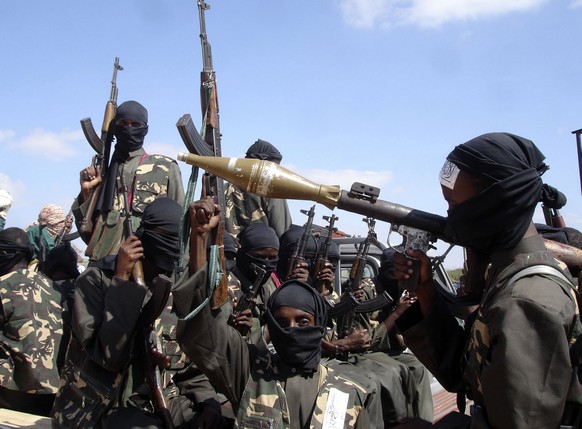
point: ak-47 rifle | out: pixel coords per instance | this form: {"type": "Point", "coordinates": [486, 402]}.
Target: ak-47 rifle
{"type": "Point", "coordinates": [209, 144]}
{"type": "Point", "coordinates": [348, 307]}
{"type": "Point", "coordinates": [102, 146]}
{"type": "Point", "coordinates": [299, 252]}
{"type": "Point", "coordinates": [154, 359]}
{"type": "Point", "coordinates": [247, 300]}
{"type": "Point", "coordinates": [323, 254]}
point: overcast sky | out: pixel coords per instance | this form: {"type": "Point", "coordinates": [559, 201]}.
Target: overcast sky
{"type": "Point", "coordinates": [374, 91]}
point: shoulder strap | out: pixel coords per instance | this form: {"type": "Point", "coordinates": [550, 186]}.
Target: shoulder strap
{"type": "Point", "coordinates": [561, 279]}
{"type": "Point", "coordinates": [569, 288]}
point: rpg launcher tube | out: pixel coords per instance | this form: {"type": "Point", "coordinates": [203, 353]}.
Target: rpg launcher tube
{"type": "Point", "coordinates": [268, 179]}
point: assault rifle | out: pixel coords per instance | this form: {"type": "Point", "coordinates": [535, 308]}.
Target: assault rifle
{"type": "Point", "coordinates": [208, 144]}
{"type": "Point", "coordinates": [349, 306]}
{"type": "Point", "coordinates": [63, 235]}
{"type": "Point", "coordinates": [323, 254]}
{"type": "Point", "coordinates": [154, 359]}
{"type": "Point", "coordinates": [247, 300]}
{"type": "Point", "coordinates": [301, 245]}
{"type": "Point", "coordinates": [102, 146]}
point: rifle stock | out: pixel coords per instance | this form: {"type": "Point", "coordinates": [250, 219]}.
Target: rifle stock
{"type": "Point", "coordinates": [154, 359]}
{"type": "Point", "coordinates": [137, 274]}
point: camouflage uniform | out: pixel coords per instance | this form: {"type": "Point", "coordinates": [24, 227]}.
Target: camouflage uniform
{"type": "Point", "coordinates": [250, 377]}
{"type": "Point", "coordinates": [31, 333]}
{"type": "Point", "coordinates": [243, 208]}
{"type": "Point", "coordinates": [513, 360]}
{"type": "Point", "coordinates": [147, 177]}
{"type": "Point", "coordinates": [264, 399]}
{"type": "Point", "coordinates": [30, 318]}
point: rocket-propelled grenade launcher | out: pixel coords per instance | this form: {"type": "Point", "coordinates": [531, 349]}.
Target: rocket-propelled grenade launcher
{"type": "Point", "coordinates": [268, 179]}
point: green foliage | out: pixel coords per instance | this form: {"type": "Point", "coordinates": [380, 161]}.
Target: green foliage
{"type": "Point", "coordinates": [455, 274]}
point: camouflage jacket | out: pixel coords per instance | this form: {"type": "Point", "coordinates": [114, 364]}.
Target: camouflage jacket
{"type": "Point", "coordinates": [243, 208]}
{"type": "Point", "coordinates": [31, 332]}
{"type": "Point", "coordinates": [236, 368]}
{"type": "Point", "coordinates": [513, 360]}
{"type": "Point", "coordinates": [264, 402]}
{"type": "Point", "coordinates": [150, 176]}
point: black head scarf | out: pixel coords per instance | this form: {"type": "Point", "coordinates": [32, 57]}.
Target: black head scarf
{"type": "Point", "coordinates": [158, 232]}
{"type": "Point", "coordinates": [264, 150]}
{"type": "Point", "coordinates": [62, 258]}
{"type": "Point", "coordinates": [498, 217]}
{"type": "Point", "coordinates": [128, 139]}
{"type": "Point", "coordinates": [298, 347]}
{"type": "Point", "coordinates": [257, 235]}
{"type": "Point", "coordinates": [289, 242]}
{"type": "Point", "coordinates": [15, 246]}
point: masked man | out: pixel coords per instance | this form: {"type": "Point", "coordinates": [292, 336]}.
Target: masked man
{"type": "Point", "coordinates": [288, 389]}
{"type": "Point", "coordinates": [132, 173]}
{"type": "Point", "coordinates": [512, 358]}
{"type": "Point", "coordinates": [30, 329]}
{"type": "Point", "coordinates": [105, 379]}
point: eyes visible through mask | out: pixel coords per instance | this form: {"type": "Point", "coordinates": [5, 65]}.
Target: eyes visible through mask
{"type": "Point", "coordinates": [128, 123]}
{"type": "Point", "coordinates": [289, 317]}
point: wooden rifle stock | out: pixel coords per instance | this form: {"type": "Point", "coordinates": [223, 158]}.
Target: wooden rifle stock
{"type": "Point", "coordinates": [153, 360]}
{"type": "Point", "coordinates": [209, 188]}
{"type": "Point", "coordinates": [137, 273]}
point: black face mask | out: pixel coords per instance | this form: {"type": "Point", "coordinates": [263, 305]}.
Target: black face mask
{"type": "Point", "coordinates": [128, 138]}
{"type": "Point", "coordinates": [498, 217]}
{"type": "Point", "coordinates": [244, 263]}
{"type": "Point", "coordinates": [298, 347]}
